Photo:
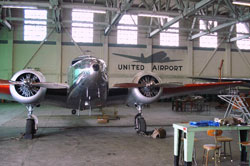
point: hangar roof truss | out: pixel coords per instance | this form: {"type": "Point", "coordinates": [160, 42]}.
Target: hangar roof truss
{"type": "Point", "coordinates": [223, 11]}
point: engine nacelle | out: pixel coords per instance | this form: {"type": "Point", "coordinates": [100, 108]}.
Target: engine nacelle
{"type": "Point", "coordinates": [26, 93]}
{"type": "Point", "coordinates": [147, 94]}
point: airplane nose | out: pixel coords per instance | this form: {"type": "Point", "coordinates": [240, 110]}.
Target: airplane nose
{"type": "Point", "coordinates": [96, 67]}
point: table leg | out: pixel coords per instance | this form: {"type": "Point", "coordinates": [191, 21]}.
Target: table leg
{"type": "Point", "coordinates": [243, 150]}
{"type": "Point", "coordinates": [188, 148]}
{"type": "Point", "coordinates": [177, 144]}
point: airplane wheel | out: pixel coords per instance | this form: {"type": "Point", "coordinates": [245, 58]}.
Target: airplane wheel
{"type": "Point", "coordinates": [30, 129]}
{"type": "Point", "coordinates": [141, 126]}
{"type": "Point", "coordinates": [73, 112]}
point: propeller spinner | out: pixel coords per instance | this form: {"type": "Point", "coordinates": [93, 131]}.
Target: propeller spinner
{"type": "Point", "coordinates": [26, 89]}
{"type": "Point", "coordinates": [149, 89]}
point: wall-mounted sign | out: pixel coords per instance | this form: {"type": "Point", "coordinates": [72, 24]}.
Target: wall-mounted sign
{"type": "Point", "coordinates": [159, 57]}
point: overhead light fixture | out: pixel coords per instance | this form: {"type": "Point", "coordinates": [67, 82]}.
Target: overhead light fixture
{"type": "Point", "coordinates": [241, 3]}
{"type": "Point", "coordinates": [90, 11]}
{"type": "Point", "coordinates": [153, 15]}
{"type": "Point", "coordinates": [19, 7]}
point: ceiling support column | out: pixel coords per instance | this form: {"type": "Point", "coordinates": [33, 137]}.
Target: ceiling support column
{"type": "Point", "coordinates": [190, 59]}
{"type": "Point", "coordinates": [228, 61]}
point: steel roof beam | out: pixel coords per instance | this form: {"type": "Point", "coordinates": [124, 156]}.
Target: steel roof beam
{"type": "Point", "coordinates": [221, 26]}
{"type": "Point", "coordinates": [118, 16]}
{"type": "Point", "coordinates": [6, 24]}
{"type": "Point", "coordinates": [18, 3]}
{"type": "Point", "coordinates": [231, 7]}
{"type": "Point", "coordinates": [238, 38]}
{"type": "Point", "coordinates": [186, 13]}
{"type": "Point", "coordinates": [193, 26]}
{"type": "Point", "coordinates": [89, 7]}
{"type": "Point", "coordinates": [230, 32]}
{"type": "Point", "coordinates": [3, 20]}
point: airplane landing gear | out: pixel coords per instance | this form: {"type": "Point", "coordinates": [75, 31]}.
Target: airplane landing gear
{"type": "Point", "coordinates": [140, 123]}
{"type": "Point", "coordinates": [30, 129]}
{"type": "Point", "coordinates": [31, 123]}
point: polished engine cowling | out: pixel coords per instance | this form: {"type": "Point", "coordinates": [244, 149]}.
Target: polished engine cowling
{"type": "Point", "coordinates": [148, 93]}
{"type": "Point", "coordinates": [25, 92]}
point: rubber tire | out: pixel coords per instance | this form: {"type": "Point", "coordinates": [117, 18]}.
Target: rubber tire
{"type": "Point", "coordinates": [73, 112]}
{"type": "Point", "coordinates": [142, 127]}
{"type": "Point", "coordinates": [30, 129]}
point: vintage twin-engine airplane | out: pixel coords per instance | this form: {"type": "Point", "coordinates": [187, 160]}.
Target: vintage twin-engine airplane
{"type": "Point", "coordinates": [87, 88]}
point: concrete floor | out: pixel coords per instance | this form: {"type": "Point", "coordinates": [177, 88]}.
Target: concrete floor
{"type": "Point", "coordinates": [63, 139]}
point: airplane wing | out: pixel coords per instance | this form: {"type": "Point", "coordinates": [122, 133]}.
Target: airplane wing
{"type": "Point", "coordinates": [56, 93]}
{"type": "Point", "coordinates": [222, 79]}
{"type": "Point", "coordinates": [199, 88]}
{"type": "Point", "coordinates": [122, 94]}
{"type": "Point", "coordinates": [50, 85]}
{"type": "Point", "coordinates": [128, 56]}
{"type": "Point", "coordinates": [5, 92]}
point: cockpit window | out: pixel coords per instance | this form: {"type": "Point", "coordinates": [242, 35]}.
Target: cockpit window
{"type": "Point", "coordinates": [77, 69]}
{"type": "Point", "coordinates": [84, 66]}
{"type": "Point", "coordinates": [74, 61]}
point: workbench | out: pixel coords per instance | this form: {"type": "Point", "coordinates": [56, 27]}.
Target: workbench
{"type": "Point", "coordinates": [189, 133]}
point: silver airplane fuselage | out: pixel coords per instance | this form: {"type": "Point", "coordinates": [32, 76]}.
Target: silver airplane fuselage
{"type": "Point", "coordinates": [88, 82]}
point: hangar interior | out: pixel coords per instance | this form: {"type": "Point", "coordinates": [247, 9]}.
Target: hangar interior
{"type": "Point", "coordinates": [175, 39]}
{"type": "Point", "coordinates": [53, 55]}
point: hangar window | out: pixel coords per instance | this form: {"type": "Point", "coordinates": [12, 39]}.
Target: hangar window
{"type": "Point", "coordinates": [170, 37]}
{"type": "Point", "coordinates": [35, 29]}
{"type": "Point", "coordinates": [209, 40]}
{"type": "Point", "coordinates": [82, 25]}
{"type": "Point", "coordinates": [243, 43]}
{"type": "Point", "coordinates": [127, 30]}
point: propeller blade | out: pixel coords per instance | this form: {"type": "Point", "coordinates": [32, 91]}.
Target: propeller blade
{"type": "Point", "coordinates": [4, 82]}
{"type": "Point", "coordinates": [168, 85]}
{"type": "Point", "coordinates": [50, 85]}
{"type": "Point", "coordinates": [135, 85]}
{"type": "Point", "coordinates": [7, 82]}
{"type": "Point", "coordinates": [128, 85]}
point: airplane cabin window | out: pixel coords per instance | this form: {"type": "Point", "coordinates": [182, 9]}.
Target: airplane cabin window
{"type": "Point", "coordinates": [35, 30]}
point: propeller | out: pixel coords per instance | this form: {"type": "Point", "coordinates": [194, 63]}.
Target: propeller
{"type": "Point", "coordinates": [51, 85]}
{"type": "Point", "coordinates": [149, 90]}
{"type": "Point", "coordinates": [7, 82]}
{"type": "Point", "coordinates": [128, 85]}
{"type": "Point", "coordinates": [148, 85]}
{"type": "Point", "coordinates": [135, 85]}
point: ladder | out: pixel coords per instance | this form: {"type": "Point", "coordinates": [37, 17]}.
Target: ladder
{"type": "Point", "coordinates": [237, 107]}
